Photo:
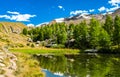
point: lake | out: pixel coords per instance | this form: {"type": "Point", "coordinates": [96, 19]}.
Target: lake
{"type": "Point", "coordinates": [82, 65]}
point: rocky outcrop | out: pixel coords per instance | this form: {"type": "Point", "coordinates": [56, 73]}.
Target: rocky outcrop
{"type": "Point", "coordinates": [11, 27]}
{"type": "Point", "coordinates": [7, 63]}
{"type": "Point", "coordinates": [10, 34]}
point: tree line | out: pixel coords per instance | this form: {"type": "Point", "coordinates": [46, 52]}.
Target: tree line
{"type": "Point", "coordinates": [94, 34]}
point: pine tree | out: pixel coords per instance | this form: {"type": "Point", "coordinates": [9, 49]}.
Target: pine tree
{"type": "Point", "coordinates": [61, 35]}
{"type": "Point", "coordinates": [94, 32]}
{"type": "Point", "coordinates": [25, 32]}
{"type": "Point", "coordinates": [41, 35]}
{"type": "Point", "coordinates": [104, 39]}
{"type": "Point", "coordinates": [81, 35]}
{"type": "Point", "coordinates": [70, 31]}
{"type": "Point", "coordinates": [108, 26]}
{"type": "Point", "coordinates": [116, 33]}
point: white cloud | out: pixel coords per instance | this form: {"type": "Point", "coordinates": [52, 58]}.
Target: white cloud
{"type": "Point", "coordinates": [17, 16]}
{"type": "Point", "coordinates": [112, 9]}
{"type": "Point", "coordinates": [114, 5]}
{"type": "Point", "coordinates": [5, 16]}
{"type": "Point", "coordinates": [61, 7]}
{"type": "Point", "coordinates": [102, 9]}
{"type": "Point", "coordinates": [22, 17]}
{"type": "Point", "coordinates": [108, 9]}
{"type": "Point", "coordinates": [78, 12]}
{"type": "Point", "coordinates": [114, 2]}
{"type": "Point", "coordinates": [91, 10]}
{"type": "Point", "coordinates": [13, 12]}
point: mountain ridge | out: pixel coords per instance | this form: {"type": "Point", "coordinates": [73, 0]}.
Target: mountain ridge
{"type": "Point", "coordinates": [80, 17]}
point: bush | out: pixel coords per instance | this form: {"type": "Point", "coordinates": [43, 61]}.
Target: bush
{"type": "Point", "coordinates": [32, 45]}
{"type": "Point", "coordinates": [20, 45]}
{"type": "Point", "coordinates": [25, 32]}
{"type": "Point", "coordinates": [28, 44]}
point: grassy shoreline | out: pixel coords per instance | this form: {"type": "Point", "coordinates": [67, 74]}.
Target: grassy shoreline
{"type": "Point", "coordinates": [25, 66]}
{"type": "Point", "coordinates": [45, 51]}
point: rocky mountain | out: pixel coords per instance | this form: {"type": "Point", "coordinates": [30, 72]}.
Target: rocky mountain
{"type": "Point", "coordinates": [116, 12]}
{"type": "Point", "coordinates": [80, 17]}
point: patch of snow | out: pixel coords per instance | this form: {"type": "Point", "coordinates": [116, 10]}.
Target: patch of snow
{"type": "Point", "coordinates": [107, 13]}
{"type": "Point", "coordinates": [59, 20]}
{"type": "Point", "coordinates": [44, 23]}
{"type": "Point", "coordinates": [110, 12]}
{"type": "Point", "coordinates": [30, 25]}
{"type": "Point", "coordinates": [85, 16]}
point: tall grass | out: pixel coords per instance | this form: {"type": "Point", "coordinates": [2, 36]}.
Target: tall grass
{"type": "Point", "coordinates": [27, 66]}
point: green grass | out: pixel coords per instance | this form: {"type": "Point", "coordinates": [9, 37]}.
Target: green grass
{"type": "Point", "coordinates": [45, 51]}
{"type": "Point", "coordinates": [27, 66]}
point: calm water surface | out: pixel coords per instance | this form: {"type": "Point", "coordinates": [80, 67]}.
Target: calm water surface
{"type": "Point", "coordinates": [82, 65]}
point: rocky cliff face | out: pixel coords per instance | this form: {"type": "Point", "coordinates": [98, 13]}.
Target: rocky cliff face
{"type": "Point", "coordinates": [7, 63]}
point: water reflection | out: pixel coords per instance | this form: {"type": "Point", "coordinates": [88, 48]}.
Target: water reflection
{"type": "Point", "coordinates": [83, 65]}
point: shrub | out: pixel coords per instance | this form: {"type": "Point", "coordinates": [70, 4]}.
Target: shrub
{"type": "Point", "coordinates": [32, 45]}
{"type": "Point", "coordinates": [25, 32]}
{"type": "Point", "coordinates": [20, 45]}
{"type": "Point", "coordinates": [28, 44]}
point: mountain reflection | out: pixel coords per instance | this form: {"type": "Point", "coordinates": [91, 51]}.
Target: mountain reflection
{"type": "Point", "coordinates": [82, 65]}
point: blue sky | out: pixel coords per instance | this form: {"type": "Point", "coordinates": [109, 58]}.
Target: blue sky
{"type": "Point", "coordinates": [39, 11]}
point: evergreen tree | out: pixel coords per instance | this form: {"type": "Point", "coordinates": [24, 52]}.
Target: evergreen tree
{"type": "Point", "coordinates": [81, 35]}
{"type": "Point", "coordinates": [104, 39]}
{"type": "Point", "coordinates": [41, 35]}
{"type": "Point", "coordinates": [94, 32]}
{"type": "Point", "coordinates": [25, 32]}
{"type": "Point", "coordinates": [108, 26]}
{"type": "Point", "coordinates": [116, 33]}
{"type": "Point", "coordinates": [61, 36]}
{"type": "Point", "coordinates": [70, 31]}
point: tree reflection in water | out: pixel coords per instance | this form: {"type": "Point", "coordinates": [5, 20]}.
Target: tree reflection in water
{"type": "Point", "coordinates": [82, 65]}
